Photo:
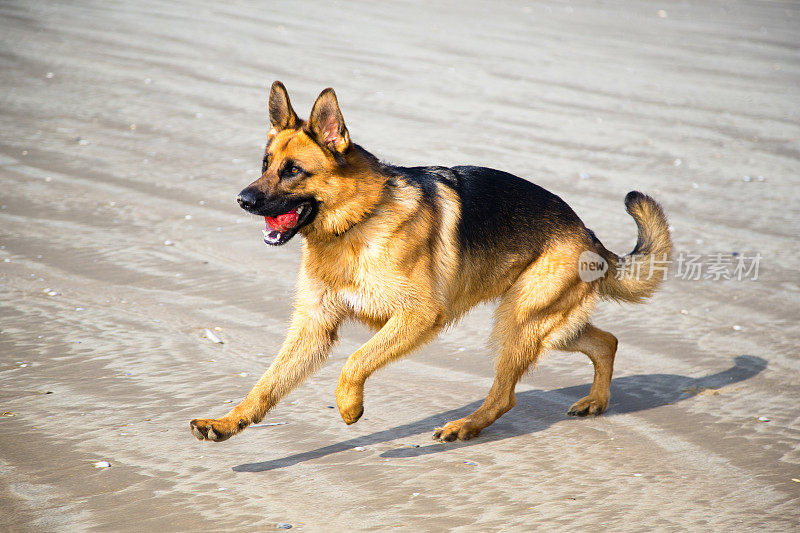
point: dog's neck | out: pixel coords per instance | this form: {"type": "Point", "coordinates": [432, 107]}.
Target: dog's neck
{"type": "Point", "coordinates": [368, 181]}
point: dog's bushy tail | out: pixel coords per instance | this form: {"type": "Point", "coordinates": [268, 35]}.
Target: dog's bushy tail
{"type": "Point", "coordinates": [634, 277]}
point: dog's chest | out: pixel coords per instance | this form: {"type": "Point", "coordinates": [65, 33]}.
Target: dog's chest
{"type": "Point", "coordinates": [372, 291]}
{"type": "Point", "coordinates": [366, 282]}
{"type": "Point", "coordinates": [375, 295]}
{"type": "Point", "coordinates": [357, 302]}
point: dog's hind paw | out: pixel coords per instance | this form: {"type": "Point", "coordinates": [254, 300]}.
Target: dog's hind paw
{"type": "Point", "coordinates": [215, 430]}
{"type": "Point", "coordinates": [462, 429]}
{"type": "Point", "coordinates": [587, 406]}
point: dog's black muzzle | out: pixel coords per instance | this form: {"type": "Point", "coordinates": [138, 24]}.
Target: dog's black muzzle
{"type": "Point", "coordinates": [256, 202]}
{"type": "Point", "coordinates": [252, 200]}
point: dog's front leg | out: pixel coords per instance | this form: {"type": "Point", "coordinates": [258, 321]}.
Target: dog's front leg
{"type": "Point", "coordinates": [305, 349]}
{"type": "Point", "coordinates": [404, 332]}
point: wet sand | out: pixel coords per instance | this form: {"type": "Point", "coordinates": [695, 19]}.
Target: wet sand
{"type": "Point", "coordinates": [128, 129]}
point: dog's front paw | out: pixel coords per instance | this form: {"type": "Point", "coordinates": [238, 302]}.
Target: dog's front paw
{"type": "Point", "coordinates": [216, 430]}
{"type": "Point", "coordinates": [350, 401]}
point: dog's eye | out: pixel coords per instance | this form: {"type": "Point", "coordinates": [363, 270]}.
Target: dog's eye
{"type": "Point", "coordinates": [291, 171]}
{"type": "Point", "coordinates": [264, 165]}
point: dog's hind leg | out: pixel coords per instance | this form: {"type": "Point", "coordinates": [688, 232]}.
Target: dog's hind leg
{"type": "Point", "coordinates": [520, 346]}
{"type": "Point", "coordinates": [600, 346]}
{"type": "Point", "coordinates": [546, 303]}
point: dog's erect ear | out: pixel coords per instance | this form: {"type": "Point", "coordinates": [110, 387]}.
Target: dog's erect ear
{"type": "Point", "coordinates": [281, 114]}
{"type": "Point", "coordinates": [326, 123]}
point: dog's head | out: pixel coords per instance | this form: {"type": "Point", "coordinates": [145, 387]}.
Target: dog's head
{"type": "Point", "coordinates": [307, 176]}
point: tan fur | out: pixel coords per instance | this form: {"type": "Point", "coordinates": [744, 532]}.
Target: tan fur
{"type": "Point", "coordinates": [381, 256]}
{"type": "Point", "coordinates": [635, 277]}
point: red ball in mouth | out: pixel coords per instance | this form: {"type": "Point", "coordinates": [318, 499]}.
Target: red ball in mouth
{"type": "Point", "coordinates": [283, 222]}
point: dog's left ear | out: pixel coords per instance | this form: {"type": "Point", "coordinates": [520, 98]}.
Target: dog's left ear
{"type": "Point", "coordinates": [326, 123]}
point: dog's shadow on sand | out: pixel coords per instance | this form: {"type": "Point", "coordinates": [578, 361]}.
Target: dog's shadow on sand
{"type": "Point", "coordinates": [628, 395]}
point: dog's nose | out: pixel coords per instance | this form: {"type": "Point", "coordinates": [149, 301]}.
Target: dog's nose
{"type": "Point", "coordinates": [248, 198]}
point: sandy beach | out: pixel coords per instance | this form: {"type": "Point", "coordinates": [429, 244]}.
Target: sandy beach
{"type": "Point", "coordinates": [128, 128]}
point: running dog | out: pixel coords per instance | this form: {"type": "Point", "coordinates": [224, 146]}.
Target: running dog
{"type": "Point", "coordinates": [409, 250]}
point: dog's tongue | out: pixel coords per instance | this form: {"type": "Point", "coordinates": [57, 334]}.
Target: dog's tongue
{"type": "Point", "coordinates": [283, 222]}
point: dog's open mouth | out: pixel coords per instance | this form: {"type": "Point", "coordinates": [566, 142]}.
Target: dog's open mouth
{"type": "Point", "coordinates": [279, 229]}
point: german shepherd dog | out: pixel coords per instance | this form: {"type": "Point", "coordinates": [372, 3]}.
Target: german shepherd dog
{"type": "Point", "coordinates": [409, 250]}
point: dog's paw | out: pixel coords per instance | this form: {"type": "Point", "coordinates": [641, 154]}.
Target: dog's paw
{"type": "Point", "coordinates": [463, 429]}
{"type": "Point", "coordinates": [351, 412]}
{"type": "Point", "coordinates": [587, 406]}
{"type": "Point", "coordinates": [350, 401]}
{"type": "Point", "coordinates": [215, 430]}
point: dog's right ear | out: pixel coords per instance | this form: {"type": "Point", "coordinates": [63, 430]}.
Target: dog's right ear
{"type": "Point", "coordinates": [281, 114]}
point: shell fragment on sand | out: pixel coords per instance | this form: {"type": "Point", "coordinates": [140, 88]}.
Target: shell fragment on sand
{"type": "Point", "coordinates": [210, 335]}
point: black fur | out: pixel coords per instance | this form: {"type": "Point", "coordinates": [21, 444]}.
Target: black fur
{"type": "Point", "coordinates": [499, 211]}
